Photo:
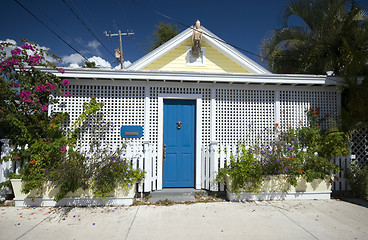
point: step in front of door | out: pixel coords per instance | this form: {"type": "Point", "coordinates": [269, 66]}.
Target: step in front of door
{"type": "Point", "coordinates": [174, 194]}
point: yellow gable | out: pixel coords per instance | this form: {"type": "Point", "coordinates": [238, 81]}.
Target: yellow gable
{"type": "Point", "coordinates": [179, 60]}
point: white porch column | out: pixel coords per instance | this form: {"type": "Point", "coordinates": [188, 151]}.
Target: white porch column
{"type": "Point", "coordinates": [146, 146]}
{"type": "Point", "coordinates": [213, 115]}
{"type": "Point", "coordinates": [277, 106]}
{"type": "Point", "coordinates": [213, 148]}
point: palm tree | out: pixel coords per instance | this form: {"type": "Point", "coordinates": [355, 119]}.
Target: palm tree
{"type": "Point", "coordinates": [333, 36]}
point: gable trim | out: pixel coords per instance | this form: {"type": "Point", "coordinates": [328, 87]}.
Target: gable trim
{"type": "Point", "coordinates": [227, 50]}
{"type": "Point", "coordinates": [160, 51]}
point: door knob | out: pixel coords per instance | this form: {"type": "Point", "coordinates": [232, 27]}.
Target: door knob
{"type": "Point", "coordinates": [178, 124]}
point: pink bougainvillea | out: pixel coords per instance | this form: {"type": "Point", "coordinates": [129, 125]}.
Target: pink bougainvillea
{"type": "Point", "coordinates": [65, 83]}
{"type": "Point", "coordinates": [14, 61]}
{"type": "Point", "coordinates": [27, 46]}
{"type": "Point", "coordinates": [51, 87]}
{"type": "Point", "coordinates": [44, 108]}
{"type": "Point", "coordinates": [16, 51]}
{"type": "Point", "coordinates": [66, 94]}
{"type": "Point", "coordinates": [35, 59]}
{"type": "Point", "coordinates": [41, 88]}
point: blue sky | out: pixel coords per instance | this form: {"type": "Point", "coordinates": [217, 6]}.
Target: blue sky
{"type": "Point", "coordinates": [242, 23]}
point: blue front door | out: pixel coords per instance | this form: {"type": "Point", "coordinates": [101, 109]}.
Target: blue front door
{"type": "Point", "coordinates": [179, 143]}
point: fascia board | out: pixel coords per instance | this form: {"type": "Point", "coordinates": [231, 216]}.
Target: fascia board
{"type": "Point", "coordinates": [160, 51]}
{"type": "Point", "coordinates": [204, 78]}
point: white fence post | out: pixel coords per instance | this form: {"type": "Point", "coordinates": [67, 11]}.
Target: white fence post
{"type": "Point", "coordinates": [213, 165]}
{"type": "Point", "coordinates": [207, 169]}
{"type": "Point", "coordinates": [147, 166]}
{"type": "Point", "coordinates": [5, 167]}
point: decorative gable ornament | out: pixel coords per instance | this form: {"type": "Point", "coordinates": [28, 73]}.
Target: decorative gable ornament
{"type": "Point", "coordinates": [196, 40]}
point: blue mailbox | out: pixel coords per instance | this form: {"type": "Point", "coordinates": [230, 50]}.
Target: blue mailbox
{"type": "Point", "coordinates": [131, 131]}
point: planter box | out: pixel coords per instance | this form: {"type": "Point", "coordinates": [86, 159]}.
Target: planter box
{"type": "Point", "coordinates": [45, 197]}
{"type": "Point", "coordinates": [277, 188]}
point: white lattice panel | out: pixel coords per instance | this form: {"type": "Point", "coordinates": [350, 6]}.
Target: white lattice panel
{"type": "Point", "coordinates": [293, 105]}
{"type": "Point", "coordinates": [359, 146]}
{"type": "Point", "coordinates": [244, 116]}
{"type": "Point", "coordinates": [123, 105]}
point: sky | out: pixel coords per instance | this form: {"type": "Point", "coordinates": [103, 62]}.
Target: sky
{"type": "Point", "coordinates": [242, 23]}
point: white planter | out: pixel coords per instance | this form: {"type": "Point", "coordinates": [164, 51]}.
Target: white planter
{"type": "Point", "coordinates": [277, 188]}
{"type": "Point", "coordinates": [45, 197]}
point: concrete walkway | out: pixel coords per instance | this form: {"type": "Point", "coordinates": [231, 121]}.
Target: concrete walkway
{"type": "Point", "coordinates": [314, 219]}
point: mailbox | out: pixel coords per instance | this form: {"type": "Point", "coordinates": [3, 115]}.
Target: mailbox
{"type": "Point", "coordinates": [131, 131]}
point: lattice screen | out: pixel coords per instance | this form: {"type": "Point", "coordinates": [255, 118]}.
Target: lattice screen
{"type": "Point", "coordinates": [123, 105]}
{"type": "Point", "coordinates": [244, 115]}
{"type": "Point", "coordinates": [359, 146]}
{"type": "Point", "coordinates": [293, 105]}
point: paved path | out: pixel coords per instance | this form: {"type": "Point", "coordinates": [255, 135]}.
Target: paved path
{"type": "Point", "coordinates": [330, 219]}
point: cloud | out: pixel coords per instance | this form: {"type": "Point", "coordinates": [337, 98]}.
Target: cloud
{"type": "Point", "coordinates": [29, 52]}
{"type": "Point", "coordinates": [73, 58]}
{"type": "Point", "coordinates": [74, 65]}
{"type": "Point", "coordinates": [8, 49]}
{"type": "Point", "coordinates": [76, 61]}
{"type": "Point", "coordinates": [9, 41]}
{"type": "Point", "coordinates": [100, 62]}
{"type": "Point", "coordinates": [94, 44]}
{"type": "Point", "coordinates": [126, 64]}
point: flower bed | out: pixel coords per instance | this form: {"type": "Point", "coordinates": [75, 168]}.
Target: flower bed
{"type": "Point", "coordinates": [278, 188]}
{"type": "Point", "coordinates": [296, 164]}
{"type": "Point", "coordinates": [45, 196]}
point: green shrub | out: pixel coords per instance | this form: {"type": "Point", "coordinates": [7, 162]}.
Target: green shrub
{"type": "Point", "coordinates": [357, 178]}
{"type": "Point", "coordinates": [244, 171]}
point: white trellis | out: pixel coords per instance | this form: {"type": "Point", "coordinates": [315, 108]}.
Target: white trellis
{"type": "Point", "coordinates": [230, 114]}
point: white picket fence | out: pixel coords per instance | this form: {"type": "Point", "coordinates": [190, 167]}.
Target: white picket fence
{"type": "Point", "coordinates": [213, 157]}
{"type": "Point", "coordinates": [216, 156]}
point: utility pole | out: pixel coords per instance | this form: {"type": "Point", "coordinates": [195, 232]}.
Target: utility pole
{"type": "Point", "coordinates": [110, 35]}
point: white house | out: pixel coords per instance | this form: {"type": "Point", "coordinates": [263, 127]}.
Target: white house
{"type": "Point", "coordinates": [190, 107]}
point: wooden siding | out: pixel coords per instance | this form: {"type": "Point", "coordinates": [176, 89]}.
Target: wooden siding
{"type": "Point", "coordinates": [175, 60]}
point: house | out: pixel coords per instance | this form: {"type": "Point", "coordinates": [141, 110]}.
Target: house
{"type": "Point", "coordinates": [195, 108]}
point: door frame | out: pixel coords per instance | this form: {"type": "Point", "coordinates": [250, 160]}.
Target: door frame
{"type": "Point", "coordinates": [198, 135]}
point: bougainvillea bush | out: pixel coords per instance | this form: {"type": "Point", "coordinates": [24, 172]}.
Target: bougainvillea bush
{"type": "Point", "coordinates": [24, 114]}
{"type": "Point", "coordinates": [306, 151]}
{"type": "Point", "coordinates": [45, 150]}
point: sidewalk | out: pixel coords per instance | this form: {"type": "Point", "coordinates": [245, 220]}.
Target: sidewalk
{"type": "Point", "coordinates": [309, 219]}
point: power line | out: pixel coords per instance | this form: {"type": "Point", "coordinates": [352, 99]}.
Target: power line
{"type": "Point", "coordinates": [124, 15]}
{"type": "Point", "coordinates": [89, 30]}
{"type": "Point", "coordinates": [50, 29]}
{"type": "Point", "coordinates": [57, 25]}
{"type": "Point", "coordinates": [189, 26]}
{"type": "Point", "coordinates": [65, 33]}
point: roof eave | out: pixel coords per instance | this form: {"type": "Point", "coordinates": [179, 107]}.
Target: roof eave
{"type": "Point", "coordinates": [269, 79]}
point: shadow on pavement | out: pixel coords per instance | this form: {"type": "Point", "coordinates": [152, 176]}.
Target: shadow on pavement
{"type": "Point", "coordinates": [357, 201]}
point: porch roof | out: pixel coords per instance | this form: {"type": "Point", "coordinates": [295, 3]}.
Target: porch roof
{"type": "Point", "coordinates": [190, 77]}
